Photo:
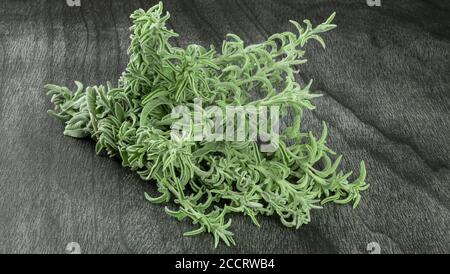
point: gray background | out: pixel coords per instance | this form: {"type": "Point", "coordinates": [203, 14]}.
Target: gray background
{"type": "Point", "coordinates": [385, 80]}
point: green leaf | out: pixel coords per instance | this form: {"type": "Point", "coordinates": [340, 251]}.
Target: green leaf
{"type": "Point", "coordinates": [206, 181]}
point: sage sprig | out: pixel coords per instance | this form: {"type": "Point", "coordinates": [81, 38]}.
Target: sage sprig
{"type": "Point", "coordinates": [206, 181]}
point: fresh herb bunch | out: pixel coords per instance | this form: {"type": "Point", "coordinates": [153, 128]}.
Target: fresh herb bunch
{"type": "Point", "coordinates": [208, 180]}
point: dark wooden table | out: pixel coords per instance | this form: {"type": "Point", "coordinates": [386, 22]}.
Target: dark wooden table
{"type": "Point", "coordinates": [385, 80]}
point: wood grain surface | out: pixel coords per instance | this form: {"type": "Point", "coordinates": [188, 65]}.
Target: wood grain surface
{"type": "Point", "coordinates": [385, 80]}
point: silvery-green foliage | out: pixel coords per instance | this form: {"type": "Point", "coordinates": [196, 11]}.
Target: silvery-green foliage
{"type": "Point", "coordinates": [206, 181]}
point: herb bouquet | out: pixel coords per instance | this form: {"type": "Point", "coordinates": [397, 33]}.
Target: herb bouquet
{"type": "Point", "coordinates": [208, 180]}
